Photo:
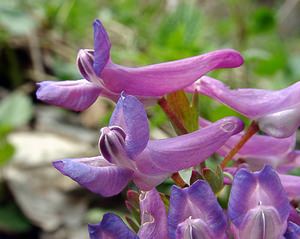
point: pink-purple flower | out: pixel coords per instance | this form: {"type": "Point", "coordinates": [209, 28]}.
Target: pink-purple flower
{"type": "Point", "coordinates": [128, 154]}
{"type": "Point", "coordinates": [258, 205]}
{"type": "Point", "coordinates": [276, 112]}
{"type": "Point", "coordinates": [104, 78]}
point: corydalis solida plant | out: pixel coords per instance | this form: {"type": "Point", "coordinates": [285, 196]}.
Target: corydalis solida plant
{"type": "Point", "coordinates": [259, 201]}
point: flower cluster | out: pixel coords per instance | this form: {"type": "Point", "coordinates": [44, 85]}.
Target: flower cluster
{"type": "Point", "coordinates": [263, 200]}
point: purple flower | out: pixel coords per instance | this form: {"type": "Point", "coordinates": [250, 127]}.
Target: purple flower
{"type": "Point", "coordinates": [276, 112]}
{"type": "Point", "coordinates": [128, 154]}
{"type": "Point", "coordinates": [258, 205]}
{"type": "Point", "coordinates": [291, 185]}
{"type": "Point", "coordinates": [261, 150]}
{"type": "Point", "coordinates": [105, 78]}
{"type": "Point", "coordinates": [153, 216]}
{"type": "Point", "coordinates": [112, 227]}
{"type": "Point", "coordinates": [153, 220]}
{"type": "Point", "coordinates": [293, 231]}
{"type": "Point", "coordinates": [194, 212]}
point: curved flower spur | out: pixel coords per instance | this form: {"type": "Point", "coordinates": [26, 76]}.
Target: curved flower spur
{"type": "Point", "coordinates": [276, 112]}
{"type": "Point", "coordinates": [107, 79]}
{"type": "Point", "coordinates": [128, 154]}
{"type": "Point", "coordinates": [262, 150]}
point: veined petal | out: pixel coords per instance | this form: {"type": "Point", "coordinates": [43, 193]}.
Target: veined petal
{"type": "Point", "coordinates": [174, 154]}
{"type": "Point", "coordinates": [130, 115]}
{"type": "Point", "coordinates": [111, 227]}
{"type": "Point", "coordinates": [262, 223]}
{"type": "Point", "coordinates": [163, 78]}
{"type": "Point", "coordinates": [254, 190]}
{"type": "Point", "coordinates": [147, 182]}
{"type": "Point", "coordinates": [75, 95]}
{"type": "Point", "coordinates": [291, 185]}
{"type": "Point", "coordinates": [253, 103]}
{"type": "Point", "coordinates": [196, 202]}
{"type": "Point", "coordinates": [153, 216]}
{"type": "Point", "coordinates": [293, 161]}
{"type": "Point", "coordinates": [259, 150]}
{"type": "Point", "coordinates": [101, 46]}
{"type": "Point", "coordinates": [293, 231]}
{"type": "Point", "coordinates": [96, 174]}
{"type": "Point", "coordinates": [193, 229]}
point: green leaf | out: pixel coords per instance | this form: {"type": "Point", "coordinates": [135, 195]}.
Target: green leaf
{"type": "Point", "coordinates": [15, 110]}
{"type": "Point", "coordinates": [186, 113]}
{"type": "Point", "coordinates": [214, 178]}
{"type": "Point", "coordinates": [16, 21]}
{"type": "Point", "coordinates": [12, 220]}
{"type": "Point", "coordinates": [6, 151]}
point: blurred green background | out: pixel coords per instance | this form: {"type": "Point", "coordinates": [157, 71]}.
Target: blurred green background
{"type": "Point", "coordinates": [39, 40]}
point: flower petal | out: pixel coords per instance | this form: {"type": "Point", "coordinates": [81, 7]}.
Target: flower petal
{"type": "Point", "coordinates": [153, 216]}
{"type": "Point", "coordinates": [280, 124]}
{"type": "Point", "coordinates": [293, 161]}
{"type": "Point", "coordinates": [259, 149]}
{"type": "Point", "coordinates": [174, 154]}
{"type": "Point", "coordinates": [291, 185]}
{"type": "Point", "coordinates": [253, 103]}
{"type": "Point", "coordinates": [130, 115]}
{"type": "Point", "coordinates": [293, 231]}
{"type": "Point", "coordinates": [95, 174]}
{"type": "Point", "coordinates": [262, 222]}
{"type": "Point", "coordinates": [146, 182]}
{"type": "Point", "coordinates": [101, 46]}
{"type": "Point", "coordinates": [194, 229]}
{"type": "Point", "coordinates": [111, 227]}
{"type": "Point", "coordinates": [250, 190]}
{"type": "Point", "coordinates": [75, 95]}
{"type": "Point", "coordinates": [196, 202]}
{"type": "Point", "coordinates": [160, 79]}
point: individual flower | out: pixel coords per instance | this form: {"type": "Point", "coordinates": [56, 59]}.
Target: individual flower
{"type": "Point", "coordinates": [261, 150]}
{"type": "Point", "coordinates": [194, 212]}
{"type": "Point", "coordinates": [105, 78]}
{"type": "Point", "coordinates": [153, 221]}
{"type": "Point", "coordinates": [258, 205]}
{"type": "Point", "coordinates": [276, 112]}
{"type": "Point", "coordinates": [128, 154]}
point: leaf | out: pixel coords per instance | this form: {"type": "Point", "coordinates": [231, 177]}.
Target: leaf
{"type": "Point", "coordinates": [6, 151]}
{"type": "Point", "coordinates": [12, 220]}
{"type": "Point", "coordinates": [16, 21]}
{"type": "Point", "coordinates": [15, 110]}
{"type": "Point", "coordinates": [214, 178]}
{"type": "Point", "coordinates": [186, 113]}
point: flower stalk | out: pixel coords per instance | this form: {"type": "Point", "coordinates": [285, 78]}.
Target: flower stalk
{"type": "Point", "coordinates": [252, 130]}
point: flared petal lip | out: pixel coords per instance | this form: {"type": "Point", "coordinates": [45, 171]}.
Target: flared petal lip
{"type": "Point", "coordinates": [75, 95]}
{"type": "Point", "coordinates": [245, 190]}
{"type": "Point", "coordinates": [199, 202]}
{"type": "Point", "coordinates": [95, 174]}
{"type": "Point", "coordinates": [111, 227]}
